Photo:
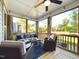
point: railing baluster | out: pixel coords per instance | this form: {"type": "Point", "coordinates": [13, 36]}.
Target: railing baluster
{"type": "Point", "coordinates": [70, 43]}
{"type": "Point", "coordinates": [67, 42]}
{"type": "Point", "coordinates": [74, 43]}
{"type": "Point", "coordinates": [59, 40]}
{"type": "Point", "coordinates": [65, 39]}
{"type": "Point", "coordinates": [78, 45]}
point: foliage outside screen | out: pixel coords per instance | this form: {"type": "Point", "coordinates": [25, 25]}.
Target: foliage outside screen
{"type": "Point", "coordinates": [68, 24]}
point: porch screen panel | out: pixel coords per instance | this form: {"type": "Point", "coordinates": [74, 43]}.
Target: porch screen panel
{"type": "Point", "coordinates": [19, 25]}
{"type": "Point", "coordinates": [43, 26]}
{"type": "Point", "coordinates": [66, 25]}
{"type": "Point", "coordinates": [31, 26]}
{"type": "Point", "coordinates": [65, 22]}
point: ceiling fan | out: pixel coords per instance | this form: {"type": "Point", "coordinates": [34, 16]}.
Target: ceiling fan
{"type": "Point", "coordinates": [48, 2]}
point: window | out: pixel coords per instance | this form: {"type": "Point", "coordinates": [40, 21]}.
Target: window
{"type": "Point", "coordinates": [19, 25]}
{"type": "Point", "coordinates": [65, 22]}
{"type": "Point", "coordinates": [31, 26]}
{"type": "Point", "coordinates": [43, 26]}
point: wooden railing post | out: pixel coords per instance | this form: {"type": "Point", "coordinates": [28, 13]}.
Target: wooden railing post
{"type": "Point", "coordinates": [49, 25]}
{"type": "Point", "coordinates": [9, 26]}
{"type": "Point", "coordinates": [37, 27]}
{"type": "Point", "coordinates": [26, 25]}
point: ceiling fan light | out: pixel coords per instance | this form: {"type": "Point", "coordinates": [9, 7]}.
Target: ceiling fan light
{"type": "Point", "coordinates": [47, 3]}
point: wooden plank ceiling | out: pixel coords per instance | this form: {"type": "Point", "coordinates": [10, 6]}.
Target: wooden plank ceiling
{"type": "Point", "coordinates": [25, 8]}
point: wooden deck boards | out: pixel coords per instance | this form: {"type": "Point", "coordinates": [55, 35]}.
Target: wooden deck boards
{"type": "Point", "coordinates": [58, 54]}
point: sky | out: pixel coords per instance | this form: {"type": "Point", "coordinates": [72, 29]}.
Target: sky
{"type": "Point", "coordinates": [15, 19]}
{"type": "Point", "coordinates": [59, 18]}
{"type": "Point", "coordinates": [43, 23]}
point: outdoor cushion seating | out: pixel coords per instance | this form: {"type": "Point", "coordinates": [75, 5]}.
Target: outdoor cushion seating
{"type": "Point", "coordinates": [11, 50]}
{"type": "Point", "coordinates": [14, 44]}
{"type": "Point", "coordinates": [18, 37]}
{"type": "Point", "coordinates": [14, 50]}
{"type": "Point", "coordinates": [50, 44]}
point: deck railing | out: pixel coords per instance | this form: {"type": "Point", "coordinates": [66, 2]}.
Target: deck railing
{"type": "Point", "coordinates": [67, 41]}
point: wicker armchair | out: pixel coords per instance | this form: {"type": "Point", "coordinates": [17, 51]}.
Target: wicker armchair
{"type": "Point", "coordinates": [50, 44]}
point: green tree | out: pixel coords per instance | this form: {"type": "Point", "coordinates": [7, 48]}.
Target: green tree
{"type": "Point", "coordinates": [74, 17]}
{"type": "Point", "coordinates": [64, 25]}
{"type": "Point", "coordinates": [21, 21]}
{"type": "Point", "coordinates": [73, 27]}
{"type": "Point", "coordinates": [43, 29]}
{"type": "Point", "coordinates": [31, 27]}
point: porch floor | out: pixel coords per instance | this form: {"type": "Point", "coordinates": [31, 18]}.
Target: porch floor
{"type": "Point", "coordinates": [39, 53]}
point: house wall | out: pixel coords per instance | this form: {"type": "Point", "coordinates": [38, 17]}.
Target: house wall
{"type": "Point", "coordinates": [1, 21]}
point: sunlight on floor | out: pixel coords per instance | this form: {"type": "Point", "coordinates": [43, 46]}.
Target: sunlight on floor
{"type": "Point", "coordinates": [58, 54]}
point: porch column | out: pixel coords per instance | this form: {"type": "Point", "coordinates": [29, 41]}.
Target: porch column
{"type": "Point", "coordinates": [37, 27]}
{"type": "Point", "coordinates": [9, 26]}
{"type": "Point", "coordinates": [49, 25]}
{"type": "Point", "coordinates": [26, 25]}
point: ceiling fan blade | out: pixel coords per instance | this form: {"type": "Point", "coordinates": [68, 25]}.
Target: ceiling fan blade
{"type": "Point", "coordinates": [39, 4]}
{"type": "Point", "coordinates": [56, 1]}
